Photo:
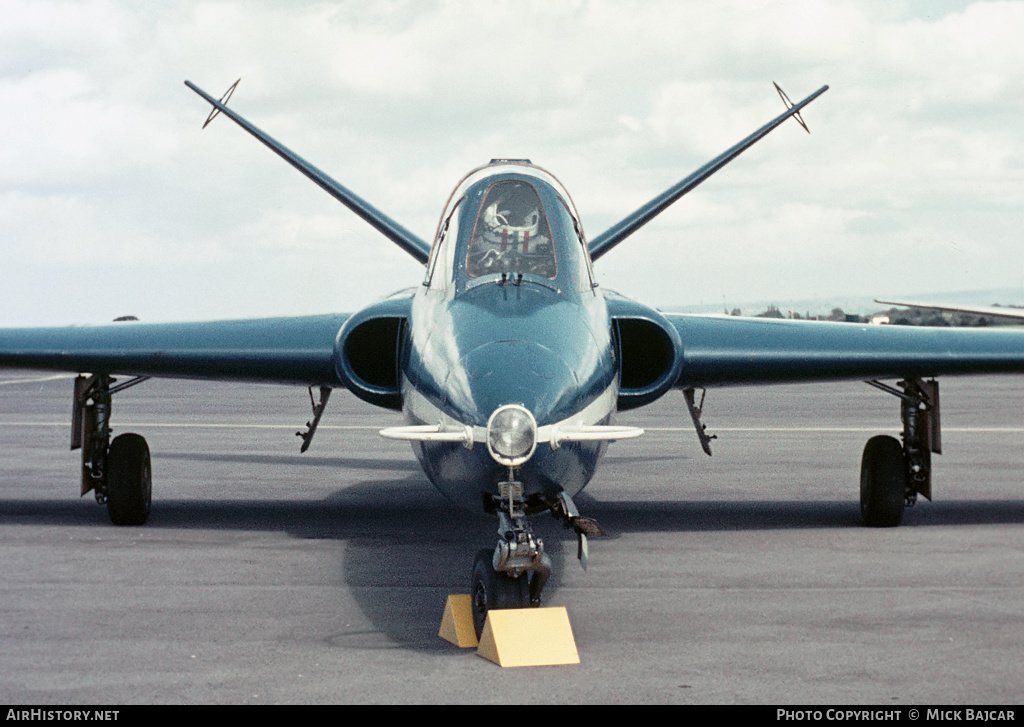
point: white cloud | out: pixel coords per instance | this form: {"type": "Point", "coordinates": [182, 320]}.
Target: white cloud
{"type": "Point", "coordinates": [916, 151]}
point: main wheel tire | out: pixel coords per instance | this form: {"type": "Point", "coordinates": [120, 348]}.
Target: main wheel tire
{"type": "Point", "coordinates": [494, 590]}
{"type": "Point", "coordinates": [129, 480]}
{"type": "Point", "coordinates": [883, 482]}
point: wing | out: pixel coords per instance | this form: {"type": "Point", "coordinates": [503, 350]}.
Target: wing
{"type": "Point", "coordinates": [725, 350]}
{"type": "Point", "coordinates": [296, 350]}
{"type": "Point", "coordinates": [981, 310]}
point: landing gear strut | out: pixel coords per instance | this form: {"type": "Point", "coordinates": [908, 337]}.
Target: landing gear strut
{"type": "Point", "coordinates": [119, 473]}
{"type": "Point", "coordinates": [893, 475]}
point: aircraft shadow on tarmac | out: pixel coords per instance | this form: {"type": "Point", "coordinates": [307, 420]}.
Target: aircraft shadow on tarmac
{"type": "Point", "coordinates": [406, 548]}
{"type": "Point", "coordinates": [701, 516]}
{"type": "Point", "coordinates": [362, 463]}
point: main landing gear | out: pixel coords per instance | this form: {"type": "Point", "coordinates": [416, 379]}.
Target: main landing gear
{"type": "Point", "coordinates": [892, 474]}
{"type": "Point", "coordinates": [119, 473]}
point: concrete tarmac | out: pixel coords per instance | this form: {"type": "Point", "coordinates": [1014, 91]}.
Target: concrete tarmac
{"type": "Point", "coordinates": [266, 576]}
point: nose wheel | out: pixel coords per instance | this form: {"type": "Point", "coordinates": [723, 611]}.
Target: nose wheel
{"type": "Point", "coordinates": [493, 589]}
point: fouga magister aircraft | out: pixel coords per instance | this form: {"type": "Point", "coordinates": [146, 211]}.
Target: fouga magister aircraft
{"type": "Point", "coordinates": [509, 362]}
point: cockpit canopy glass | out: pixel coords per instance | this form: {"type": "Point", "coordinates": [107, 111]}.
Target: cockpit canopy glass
{"type": "Point", "coordinates": [511, 233]}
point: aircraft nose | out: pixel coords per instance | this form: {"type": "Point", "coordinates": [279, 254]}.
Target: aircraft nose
{"type": "Point", "coordinates": [528, 374]}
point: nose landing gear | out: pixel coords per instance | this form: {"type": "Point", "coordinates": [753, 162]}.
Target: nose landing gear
{"type": "Point", "coordinates": [514, 573]}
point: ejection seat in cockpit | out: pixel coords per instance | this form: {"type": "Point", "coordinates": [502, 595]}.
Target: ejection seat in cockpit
{"type": "Point", "coordinates": [511, 234]}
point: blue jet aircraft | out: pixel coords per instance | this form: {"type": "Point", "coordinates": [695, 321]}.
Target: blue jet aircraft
{"type": "Point", "coordinates": [509, 362]}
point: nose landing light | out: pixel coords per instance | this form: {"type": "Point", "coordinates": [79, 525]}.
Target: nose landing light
{"type": "Point", "coordinates": [511, 435]}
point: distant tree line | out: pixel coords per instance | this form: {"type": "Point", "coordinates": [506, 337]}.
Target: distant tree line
{"type": "Point", "coordinates": [892, 316]}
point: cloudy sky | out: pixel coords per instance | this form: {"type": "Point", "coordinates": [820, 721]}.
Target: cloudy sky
{"type": "Point", "coordinates": [114, 201]}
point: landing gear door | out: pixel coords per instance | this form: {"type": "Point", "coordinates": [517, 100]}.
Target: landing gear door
{"type": "Point", "coordinates": [83, 426]}
{"type": "Point", "coordinates": [931, 390]}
